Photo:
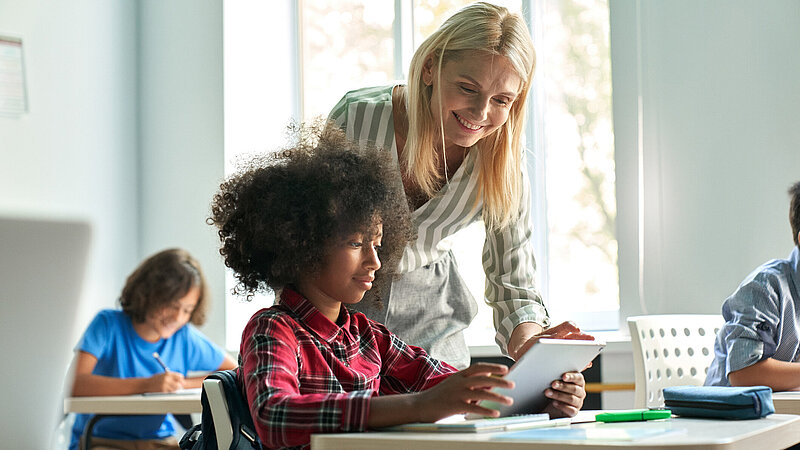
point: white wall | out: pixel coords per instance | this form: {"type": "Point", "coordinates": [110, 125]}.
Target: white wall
{"type": "Point", "coordinates": [713, 85]}
{"type": "Point", "coordinates": [74, 154]}
{"type": "Point", "coordinates": [124, 132]}
{"type": "Point", "coordinates": [181, 134]}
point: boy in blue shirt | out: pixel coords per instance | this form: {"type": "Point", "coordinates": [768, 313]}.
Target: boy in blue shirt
{"type": "Point", "coordinates": [116, 354]}
{"type": "Point", "coordinates": [760, 341]}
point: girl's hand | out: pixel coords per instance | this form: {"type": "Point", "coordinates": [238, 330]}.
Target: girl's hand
{"type": "Point", "coordinates": [461, 392]}
{"type": "Point", "coordinates": [165, 382]}
{"type": "Point", "coordinates": [566, 395]}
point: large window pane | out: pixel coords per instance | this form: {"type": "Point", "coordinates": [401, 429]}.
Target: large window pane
{"type": "Point", "coordinates": [346, 44]}
{"type": "Point", "coordinates": [574, 64]}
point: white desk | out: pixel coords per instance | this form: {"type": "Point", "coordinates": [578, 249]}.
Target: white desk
{"type": "Point", "coordinates": [135, 404]}
{"type": "Point", "coordinates": [776, 431]}
{"type": "Point", "coordinates": [786, 402]}
{"type": "Point", "coordinates": [112, 405]}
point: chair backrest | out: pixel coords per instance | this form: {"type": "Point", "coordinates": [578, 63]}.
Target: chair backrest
{"type": "Point", "coordinates": [219, 411]}
{"type": "Point", "coordinates": [670, 350]}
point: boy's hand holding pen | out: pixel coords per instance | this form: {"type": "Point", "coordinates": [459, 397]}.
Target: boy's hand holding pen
{"type": "Point", "coordinates": [168, 381]}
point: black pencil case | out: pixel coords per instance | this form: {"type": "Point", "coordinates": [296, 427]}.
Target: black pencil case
{"type": "Point", "coordinates": [720, 402]}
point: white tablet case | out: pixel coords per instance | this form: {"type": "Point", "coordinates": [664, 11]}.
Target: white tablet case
{"type": "Point", "coordinates": [546, 361]}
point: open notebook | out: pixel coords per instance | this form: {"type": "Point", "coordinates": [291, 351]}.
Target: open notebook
{"type": "Point", "coordinates": [188, 391]}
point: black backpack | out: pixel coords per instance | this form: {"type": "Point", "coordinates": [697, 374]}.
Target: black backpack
{"type": "Point", "coordinates": [203, 436]}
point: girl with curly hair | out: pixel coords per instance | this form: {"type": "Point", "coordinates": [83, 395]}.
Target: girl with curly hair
{"type": "Point", "coordinates": [320, 224]}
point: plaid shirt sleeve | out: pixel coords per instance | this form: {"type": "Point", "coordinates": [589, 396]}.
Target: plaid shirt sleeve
{"type": "Point", "coordinates": [407, 368]}
{"type": "Point", "coordinates": [271, 368]}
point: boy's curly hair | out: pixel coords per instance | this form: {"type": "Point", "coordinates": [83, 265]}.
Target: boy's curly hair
{"type": "Point", "coordinates": [162, 279]}
{"type": "Point", "coordinates": [280, 213]}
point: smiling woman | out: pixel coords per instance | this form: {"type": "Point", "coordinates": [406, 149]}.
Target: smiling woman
{"type": "Point", "coordinates": [456, 129]}
{"type": "Point", "coordinates": [472, 95]}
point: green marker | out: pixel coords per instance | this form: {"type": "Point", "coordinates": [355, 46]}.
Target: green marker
{"type": "Point", "coordinates": [634, 415]}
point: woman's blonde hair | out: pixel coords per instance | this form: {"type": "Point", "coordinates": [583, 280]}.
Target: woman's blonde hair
{"type": "Point", "coordinates": [493, 29]}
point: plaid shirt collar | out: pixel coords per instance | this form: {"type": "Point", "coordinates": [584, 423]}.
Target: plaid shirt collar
{"type": "Point", "coordinates": [311, 317]}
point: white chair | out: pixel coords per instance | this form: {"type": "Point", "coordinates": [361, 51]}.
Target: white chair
{"type": "Point", "coordinates": [219, 411]}
{"type": "Point", "coordinates": [670, 350]}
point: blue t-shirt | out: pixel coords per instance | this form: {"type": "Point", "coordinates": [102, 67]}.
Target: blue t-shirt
{"type": "Point", "coordinates": [122, 353]}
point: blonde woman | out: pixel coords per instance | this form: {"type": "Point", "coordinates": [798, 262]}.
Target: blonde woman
{"type": "Point", "coordinates": [456, 130]}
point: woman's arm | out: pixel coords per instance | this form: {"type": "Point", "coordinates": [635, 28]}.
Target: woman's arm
{"type": "Point", "coordinates": [87, 384]}
{"type": "Point", "coordinates": [509, 265]}
{"type": "Point", "coordinates": [779, 375]}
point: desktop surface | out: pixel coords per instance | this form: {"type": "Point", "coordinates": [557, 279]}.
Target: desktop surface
{"type": "Point", "coordinates": [135, 404]}
{"type": "Point", "coordinates": [776, 431]}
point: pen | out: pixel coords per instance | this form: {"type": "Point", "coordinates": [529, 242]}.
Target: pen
{"type": "Point", "coordinates": [158, 358]}
{"type": "Point", "coordinates": [634, 415]}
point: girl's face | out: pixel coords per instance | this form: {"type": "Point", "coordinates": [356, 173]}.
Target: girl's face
{"type": "Point", "coordinates": [347, 273]}
{"type": "Point", "coordinates": [164, 322]}
{"type": "Point", "coordinates": [477, 90]}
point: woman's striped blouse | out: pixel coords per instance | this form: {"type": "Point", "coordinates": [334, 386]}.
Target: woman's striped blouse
{"type": "Point", "coordinates": [508, 260]}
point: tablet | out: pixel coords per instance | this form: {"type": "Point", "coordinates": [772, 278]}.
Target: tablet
{"type": "Point", "coordinates": [546, 361]}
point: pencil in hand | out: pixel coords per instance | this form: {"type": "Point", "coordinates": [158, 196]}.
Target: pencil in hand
{"type": "Point", "coordinates": [160, 362]}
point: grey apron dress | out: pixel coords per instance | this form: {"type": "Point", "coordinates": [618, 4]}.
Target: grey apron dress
{"type": "Point", "coordinates": [428, 307]}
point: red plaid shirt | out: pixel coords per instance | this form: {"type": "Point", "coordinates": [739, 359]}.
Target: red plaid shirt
{"type": "Point", "coordinates": [303, 374]}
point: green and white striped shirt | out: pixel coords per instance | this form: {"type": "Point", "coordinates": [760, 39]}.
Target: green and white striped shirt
{"type": "Point", "coordinates": [508, 261]}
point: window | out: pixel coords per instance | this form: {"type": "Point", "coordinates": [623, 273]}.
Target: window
{"type": "Point", "coordinates": [329, 47]}
{"type": "Point", "coordinates": [574, 98]}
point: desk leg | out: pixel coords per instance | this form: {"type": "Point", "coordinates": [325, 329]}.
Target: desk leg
{"type": "Point", "coordinates": [86, 436]}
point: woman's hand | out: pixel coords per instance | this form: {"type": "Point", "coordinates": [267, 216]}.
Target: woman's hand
{"type": "Point", "coordinates": [528, 333]}
{"type": "Point", "coordinates": [566, 395]}
{"type": "Point", "coordinates": [461, 392]}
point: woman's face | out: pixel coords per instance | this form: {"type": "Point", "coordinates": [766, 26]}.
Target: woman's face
{"type": "Point", "coordinates": [477, 90]}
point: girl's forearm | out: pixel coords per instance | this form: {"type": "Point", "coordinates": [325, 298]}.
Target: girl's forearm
{"type": "Point", "coordinates": [392, 410]}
